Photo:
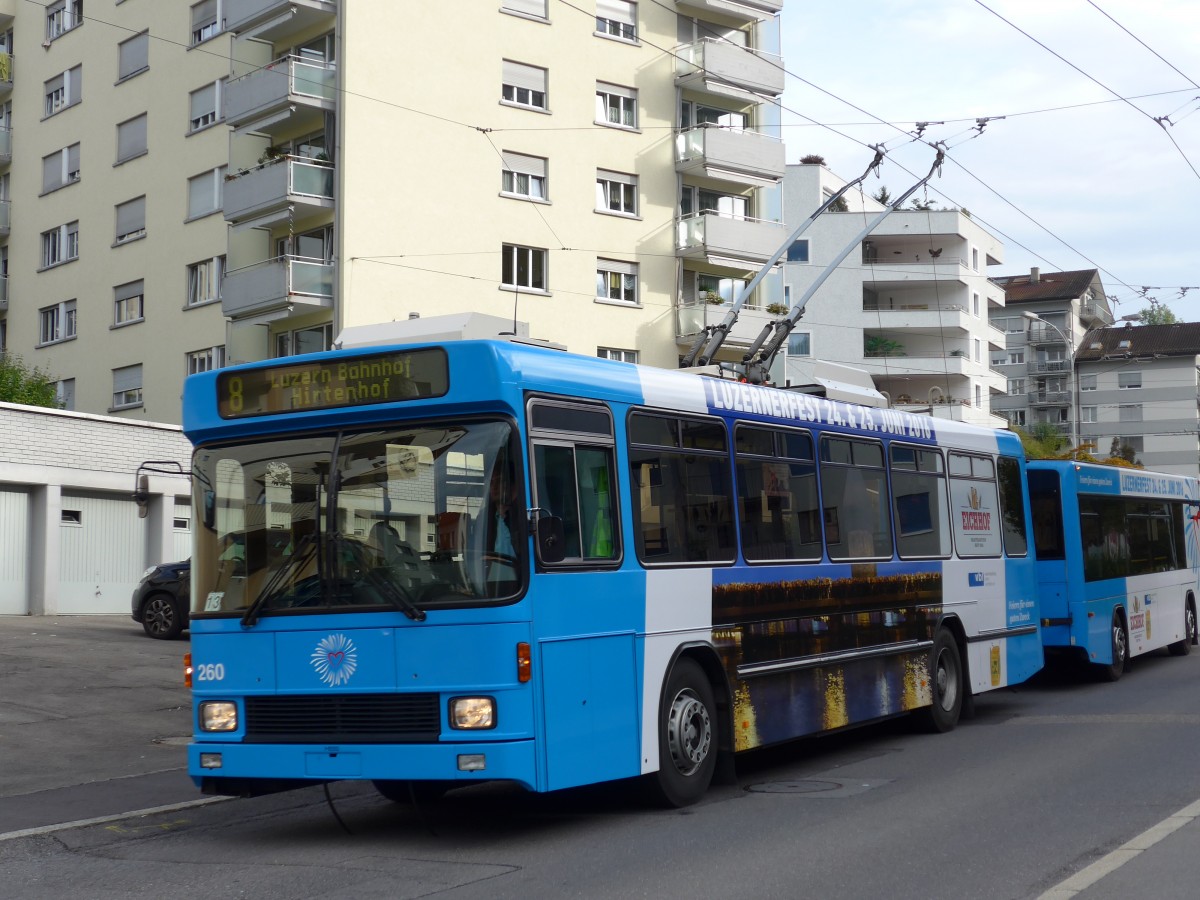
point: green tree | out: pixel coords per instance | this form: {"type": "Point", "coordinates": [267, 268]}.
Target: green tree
{"type": "Point", "coordinates": [1121, 450]}
{"type": "Point", "coordinates": [1043, 440]}
{"type": "Point", "coordinates": [1158, 314]}
{"type": "Point", "coordinates": [883, 195]}
{"type": "Point", "coordinates": [21, 384]}
{"type": "Point", "coordinates": [813, 159]}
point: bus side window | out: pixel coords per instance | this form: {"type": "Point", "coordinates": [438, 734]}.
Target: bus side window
{"type": "Point", "coordinates": [1012, 507]}
{"type": "Point", "coordinates": [1045, 502]}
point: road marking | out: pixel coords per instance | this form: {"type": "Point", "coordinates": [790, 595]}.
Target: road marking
{"type": "Point", "coordinates": [1109, 863]}
{"type": "Point", "coordinates": [100, 820]}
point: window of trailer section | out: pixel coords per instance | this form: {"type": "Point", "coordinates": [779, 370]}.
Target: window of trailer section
{"type": "Point", "coordinates": [1012, 507]}
{"type": "Point", "coordinates": [854, 497]}
{"type": "Point", "coordinates": [974, 505]}
{"type": "Point", "coordinates": [778, 505]}
{"type": "Point", "coordinates": [919, 502]}
{"type": "Point", "coordinates": [681, 487]}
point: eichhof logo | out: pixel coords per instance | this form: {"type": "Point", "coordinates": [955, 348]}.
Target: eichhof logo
{"type": "Point", "coordinates": [335, 659]}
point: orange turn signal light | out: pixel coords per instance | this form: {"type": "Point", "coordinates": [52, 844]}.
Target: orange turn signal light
{"type": "Point", "coordinates": [524, 663]}
{"type": "Point", "coordinates": [187, 670]}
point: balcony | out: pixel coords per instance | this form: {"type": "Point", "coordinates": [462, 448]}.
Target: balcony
{"type": "Point", "coordinates": [7, 62]}
{"type": "Point", "coordinates": [3, 293]}
{"type": "Point", "coordinates": [285, 283]}
{"type": "Point", "coordinates": [5, 217]}
{"type": "Point", "coordinates": [288, 92]}
{"type": "Point", "coordinates": [277, 20]}
{"type": "Point", "coordinates": [694, 315]}
{"type": "Point", "coordinates": [1093, 313]}
{"type": "Point", "coordinates": [271, 193]}
{"type": "Point", "coordinates": [743, 10]}
{"type": "Point", "coordinates": [1046, 367]}
{"type": "Point", "coordinates": [930, 317]}
{"type": "Point", "coordinates": [717, 67]}
{"type": "Point", "coordinates": [1040, 333]}
{"type": "Point", "coordinates": [5, 146]}
{"type": "Point", "coordinates": [1049, 398]}
{"type": "Point", "coordinates": [895, 269]}
{"type": "Point", "coordinates": [738, 243]}
{"type": "Point", "coordinates": [743, 157]}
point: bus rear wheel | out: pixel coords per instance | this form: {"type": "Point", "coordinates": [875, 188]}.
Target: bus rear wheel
{"type": "Point", "coordinates": [687, 737]}
{"type": "Point", "coordinates": [1184, 647]}
{"type": "Point", "coordinates": [946, 684]}
{"type": "Point", "coordinates": [1120, 651]}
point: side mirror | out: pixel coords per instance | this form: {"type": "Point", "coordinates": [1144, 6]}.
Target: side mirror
{"type": "Point", "coordinates": [551, 543]}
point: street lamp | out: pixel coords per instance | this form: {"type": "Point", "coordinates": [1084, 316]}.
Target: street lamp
{"type": "Point", "coordinates": [1074, 383]}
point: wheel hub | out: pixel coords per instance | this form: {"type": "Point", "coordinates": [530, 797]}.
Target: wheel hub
{"type": "Point", "coordinates": [689, 732]}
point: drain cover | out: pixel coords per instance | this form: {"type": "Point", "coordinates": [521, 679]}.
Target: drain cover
{"type": "Point", "coordinates": [818, 788]}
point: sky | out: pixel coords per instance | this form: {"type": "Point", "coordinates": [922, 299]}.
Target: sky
{"type": "Point", "coordinates": [1072, 177]}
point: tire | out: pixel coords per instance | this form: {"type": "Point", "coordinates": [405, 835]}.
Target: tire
{"type": "Point", "coordinates": [162, 617]}
{"type": "Point", "coordinates": [1184, 647]}
{"type": "Point", "coordinates": [687, 737]}
{"type": "Point", "coordinates": [1120, 651]}
{"type": "Point", "coordinates": [408, 792]}
{"type": "Point", "coordinates": [946, 684]}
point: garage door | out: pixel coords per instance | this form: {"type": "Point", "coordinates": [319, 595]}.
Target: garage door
{"type": "Point", "coordinates": [102, 543]}
{"type": "Point", "coordinates": [14, 558]}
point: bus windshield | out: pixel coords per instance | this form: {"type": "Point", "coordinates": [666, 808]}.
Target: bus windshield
{"type": "Point", "coordinates": [405, 519]}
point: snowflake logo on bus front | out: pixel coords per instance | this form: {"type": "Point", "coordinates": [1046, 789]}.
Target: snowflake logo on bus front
{"type": "Point", "coordinates": [335, 659]}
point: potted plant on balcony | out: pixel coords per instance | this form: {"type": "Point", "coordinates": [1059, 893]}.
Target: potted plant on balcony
{"type": "Point", "coordinates": [713, 298]}
{"type": "Point", "coordinates": [776, 309]}
{"type": "Point", "coordinates": [874, 345]}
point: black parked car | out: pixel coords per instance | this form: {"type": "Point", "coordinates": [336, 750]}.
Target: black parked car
{"type": "Point", "coordinates": [162, 598]}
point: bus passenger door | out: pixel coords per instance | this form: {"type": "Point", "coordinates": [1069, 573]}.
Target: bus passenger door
{"type": "Point", "coordinates": [1045, 498]}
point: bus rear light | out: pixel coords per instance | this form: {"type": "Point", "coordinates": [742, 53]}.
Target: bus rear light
{"type": "Point", "coordinates": [187, 670]}
{"type": "Point", "coordinates": [524, 663]}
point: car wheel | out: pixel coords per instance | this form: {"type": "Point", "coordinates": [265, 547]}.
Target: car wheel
{"type": "Point", "coordinates": [162, 617]}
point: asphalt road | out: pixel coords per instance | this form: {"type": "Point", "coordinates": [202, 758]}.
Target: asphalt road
{"type": "Point", "coordinates": [1047, 780]}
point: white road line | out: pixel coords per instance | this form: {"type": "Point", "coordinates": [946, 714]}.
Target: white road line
{"type": "Point", "coordinates": [1109, 863]}
{"type": "Point", "coordinates": [100, 820]}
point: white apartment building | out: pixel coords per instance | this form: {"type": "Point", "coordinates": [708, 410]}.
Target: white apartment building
{"type": "Point", "coordinates": [910, 306]}
{"type": "Point", "coordinates": [268, 172]}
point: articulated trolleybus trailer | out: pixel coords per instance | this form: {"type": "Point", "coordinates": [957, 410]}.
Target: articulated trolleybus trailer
{"type": "Point", "coordinates": [436, 564]}
{"type": "Point", "coordinates": [1118, 557]}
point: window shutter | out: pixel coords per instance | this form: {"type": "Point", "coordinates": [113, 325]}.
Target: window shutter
{"type": "Point", "coordinates": [131, 216]}
{"type": "Point", "coordinates": [617, 10]}
{"type": "Point", "coordinates": [127, 379]}
{"type": "Point", "coordinates": [52, 171]}
{"type": "Point", "coordinates": [203, 102]}
{"type": "Point", "coordinates": [603, 87]}
{"type": "Point", "coordinates": [616, 265]}
{"type": "Point", "coordinates": [131, 138]}
{"type": "Point", "coordinates": [134, 55]}
{"type": "Point", "coordinates": [619, 177]}
{"type": "Point", "coordinates": [523, 76]}
{"type": "Point", "coordinates": [125, 291]}
{"type": "Point", "coordinates": [203, 13]}
{"type": "Point", "coordinates": [529, 7]}
{"type": "Point", "coordinates": [525, 165]}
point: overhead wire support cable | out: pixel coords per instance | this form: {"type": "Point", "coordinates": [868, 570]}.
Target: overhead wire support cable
{"type": "Point", "coordinates": [711, 337]}
{"type": "Point", "coordinates": [756, 363]}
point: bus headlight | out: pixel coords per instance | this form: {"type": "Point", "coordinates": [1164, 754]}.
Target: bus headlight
{"type": "Point", "coordinates": [218, 715]}
{"type": "Point", "coordinates": [472, 712]}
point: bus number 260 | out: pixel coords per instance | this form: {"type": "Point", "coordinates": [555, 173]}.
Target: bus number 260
{"type": "Point", "coordinates": [210, 672]}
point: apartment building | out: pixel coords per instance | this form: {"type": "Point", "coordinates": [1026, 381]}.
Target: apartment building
{"type": "Point", "coordinates": [111, 165]}
{"type": "Point", "coordinates": [910, 305]}
{"type": "Point", "coordinates": [282, 169]}
{"type": "Point", "coordinates": [1045, 318]}
{"type": "Point", "coordinates": [1141, 385]}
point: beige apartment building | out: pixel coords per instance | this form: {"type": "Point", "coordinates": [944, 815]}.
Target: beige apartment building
{"type": "Point", "coordinates": [189, 185]}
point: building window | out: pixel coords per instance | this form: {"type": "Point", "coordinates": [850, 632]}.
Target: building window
{"type": "Point", "coordinates": [616, 18]}
{"type": "Point", "coordinates": [205, 360]}
{"type": "Point", "coordinates": [133, 56]}
{"type": "Point", "coordinates": [60, 245]}
{"type": "Point", "coordinates": [523, 85]}
{"type": "Point", "coordinates": [60, 168]}
{"type": "Point", "coordinates": [206, 21]}
{"type": "Point", "coordinates": [1129, 412]}
{"type": "Point", "coordinates": [64, 394]}
{"type": "Point", "coordinates": [62, 16]}
{"type": "Point", "coordinates": [523, 267]}
{"type": "Point", "coordinates": [131, 138]}
{"type": "Point", "coordinates": [128, 303]}
{"type": "Point", "coordinates": [629, 356]}
{"type": "Point", "coordinates": [1088, 413]}
{"type": "Point", "coordinates": [204, 105]}
{"type": "Point", "coordinates": [63, 90]}
{"type": "Point", "coordinates": [1016, 386]}
{"type": "Point", "coordinates": [1087, 382]}
{"type": "Point", "coordinates": [1016, 357]}
{"type": "Point", "coordinates": [204, 193]}
{"type": "Point", "coordinates": [798, 251]}
{"type": "Point", "coordinates": [616, 280]}
{"type": "Point", "coordinates": [127, 387]}
{"type": "Point", "coordinates": [978, 350]}
{"type": "Point", "coordinates": [616, 192]}
{"type": "Point", "coordinates": [975, 258]}
{"type": "Point", "coordinates": [975, 305]}
{"type": "Point", "coordinates": [56, 323]}
{"type": "Point", "coordinates": [1129, 381]}
{"type": "Point", "coordinates": [534, 8]}
{"type": "Point", "coordinates": [616, 105]}
{"type": "Point", "coordinates": [799, 343]}
{"type": "Point", "coordinates": [1015, 416]}
{"type": "Point", "coordinates": [717, 290]}
{"type": "Point", "coordinates": [304, 340]}
{"type": "Point", "coordinates": [523, 176]}
{"type": "Point", "coordinates": [131, 220]}
{"type": "Point", "coordinates": [204, 280]}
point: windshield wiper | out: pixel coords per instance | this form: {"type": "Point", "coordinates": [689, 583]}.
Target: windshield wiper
{"type": "Point", "coordinates": [306, 548]}
{"type": "Point", "coordinates": [387, 586]}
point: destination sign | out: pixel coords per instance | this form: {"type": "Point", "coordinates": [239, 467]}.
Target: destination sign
{"type": "Point", "coordinates": [391, 377]}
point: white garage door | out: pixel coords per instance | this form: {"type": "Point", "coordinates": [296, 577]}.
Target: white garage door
{"type": "Point", "coordinates": [102, 543]}
{"type": "Point", "coordinates": [14, 552]}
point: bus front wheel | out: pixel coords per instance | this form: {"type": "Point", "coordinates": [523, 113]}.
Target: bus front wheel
{"type": "Point", "coordinates": [946, 684]}
{"type": "Point", "coordinates": [687, 737]}
{"type": "Point", "coordinates": [1120, 651]}
{"type": "Point", "coordinates": [1184, 647]}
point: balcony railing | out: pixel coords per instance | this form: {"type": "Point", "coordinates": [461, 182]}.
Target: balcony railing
{"type": "Point", "coordinates": [273, 20]}
{"type": "Point", "coordinates": [744, 10]}
{"type": "Point", "coordinates": [3, 293]}
{"type": "Point", "coordinates": [286, 281]}
{"type": "Point", "coordinates": [5, 217]}
{"type": "Point", "coordinates": [1049, 398]}
{"type": "Point", "coordinates": [744, 157]}
{"type": "Point", "coordinates": [275, 88]}
{"type": "Point", "coordinates": [694, 315]}
{"type": "Point", "coordinates": [5, 145]}
{"type": "Point", "coordinates": [1094, 312]}
{"type": "Point", "coordinates": [737, 242]}
{"type": "Point", "coordinates": [1057, 365]}
{"type": "Point", "coordinates": [720, 67]}
{"type": "Point", "coordinates": [305, 184]}
{"type": "Point", "coordinates": [1044, 334]}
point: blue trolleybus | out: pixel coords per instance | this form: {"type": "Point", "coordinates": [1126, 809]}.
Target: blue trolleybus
{"type": "Point", "coordinates": [1118, 559]}
{"type": "Point", "coordinates": [436, 564]}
